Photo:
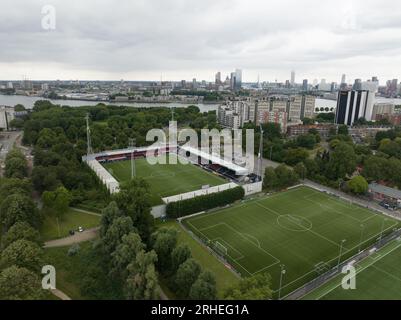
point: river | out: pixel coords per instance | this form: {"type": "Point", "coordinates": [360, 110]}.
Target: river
{"type": "Point", "coordinates": [28, 103]}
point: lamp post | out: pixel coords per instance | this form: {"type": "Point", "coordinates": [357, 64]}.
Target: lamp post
{"type": "Point", "coordinates": [282, 273]}
{"type": "Point", "coordinates": [341, 251]}
{"type": "Point", "coordinates": [360, 242]}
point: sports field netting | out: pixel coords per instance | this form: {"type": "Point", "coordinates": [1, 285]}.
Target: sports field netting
{"type": "Point", "coordinates": [165, 179]}
{"type": "Point", "coordinates": [301, 228]}
{"type": "Point", "coordinates": [378, 278]}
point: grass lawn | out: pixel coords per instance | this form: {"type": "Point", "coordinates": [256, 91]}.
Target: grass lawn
{"type": "Point", "coordinates": [300, 230]}
{"type": "Point", "coordinates": [378, 278]}
{"type": "Point", "coordinates": [224, 276]}
{"type": "Point", "coordinates": [165, 179]}
{"type": "Point", "coordinates": [69, 270]}
{"type": "Point", "coordinates": [54, 228]}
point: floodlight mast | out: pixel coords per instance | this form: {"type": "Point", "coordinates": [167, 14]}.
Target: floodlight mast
{"type": "Point", "coordinates": [88, 136]}
{"type": "Point", "coordinates": [260, 155]}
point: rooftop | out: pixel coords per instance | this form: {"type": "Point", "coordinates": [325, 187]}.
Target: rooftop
{"type": "Point", "coordinates": [390, 192]}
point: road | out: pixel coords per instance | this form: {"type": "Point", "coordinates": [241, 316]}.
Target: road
{"type": "Point", "coordinates": [78, 237]}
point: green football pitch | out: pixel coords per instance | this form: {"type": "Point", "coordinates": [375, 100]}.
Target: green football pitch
{"type": "Point", "coordinates": [300, 231]}
{"type": "Point", "coordinates": [378, 277]}
{"type": "Point", "coordinates": [165, 179]}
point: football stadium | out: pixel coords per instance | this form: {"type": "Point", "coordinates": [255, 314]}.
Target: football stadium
{"type": "Point", "coordinates": [196, 177]}
{"type": "Point", "coordinates": [295, 235]}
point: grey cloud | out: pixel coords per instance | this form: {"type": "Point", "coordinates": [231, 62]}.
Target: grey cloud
{"type": "Point", "coordinates": [144, 38]}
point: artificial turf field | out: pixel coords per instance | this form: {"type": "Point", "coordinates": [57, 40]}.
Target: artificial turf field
{"type": "Point", "coordinates": [165, 179]}
{"type": "Point", "coordinates": [301, 229]}
{"type": "Point", "coordinates": [378, 278]}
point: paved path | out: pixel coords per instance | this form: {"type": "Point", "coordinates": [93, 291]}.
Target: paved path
{"type": "Point", "coordinates": [78, 237]}
{"type": "Point", "coordinates": [60, 294]}
{"type": "Point", "coordinates": [86, 211]}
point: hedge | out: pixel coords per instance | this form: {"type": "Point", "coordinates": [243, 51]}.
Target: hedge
{"type": "Point", "coordinates": [202, 203]}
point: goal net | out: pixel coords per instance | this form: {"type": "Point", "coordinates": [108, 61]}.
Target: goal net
{"type": "Point", "coordinates": [220, 248]}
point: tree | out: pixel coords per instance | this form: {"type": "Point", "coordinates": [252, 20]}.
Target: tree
{"type": "Point", "coordinates": [44, 178]}
{"type": "Point", "coordinates": [342, 161]}
{"type": "Point", "coordinates": [204, 288]}
{"type": "Point", "coordinates": [307, 121]}
{"type": "Point", "coordinates": [124, 254]}
{"type": "Point", "coordinates": [253, 288]}
{"type": "Point", "coordinates": [22, 253]}
{"type": "Point", "coordinates": [358, 185]}
{"type": "Point", "coordinates": [343, 129]}
{"type": "Point", "coordinates": [142, 283]}
{"type": "Point", "coordinates": [164, 242]}
{"type": "Point", "coordinates": [21, 231]}
{"type": "Point", "coordinates": [14, 185]}
{"type": "Point", "coordinates": [133, 201]}
{"type": "Point", "coordinates": [375, 168]}
{"type": "Point", "coordinates": [20, 284]}
{"type": "Point", "coordinates": [57, 200]}
{"type": "Point", "coordinates": [390, 147]}
{"type": "Point", "coordinates": [186, 276]}
{"type": "Point", "coordinates": [270, 181]}
{"type": "Point", "coordinates": [109, 214]}
{"type": "Point", "coordinates": [113, 237]}
{"type": "Point", "coordinates": [180, 254]}
{"type": "Point", "coordinates": [306, 141]}
{"type": "Point", "coordinates": [19, 208]}
{"type": "Point", "coordinates": [301, 170]}
{"type": "Point", "coordinates": [16, 168]}
{"type": "Point", "coordinates": [311, 166]}
{"type": "Point", "coordinates": [17, 123]}
{"type": "Point", "coordinates": [285, 176]}
{"type": "Point", "coordinates": [19, 107]}
{"type": "Point", "coordinates": [293, 156]}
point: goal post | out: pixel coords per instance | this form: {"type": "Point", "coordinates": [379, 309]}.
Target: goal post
{"type": "Point", "coordinates": [220, 248]}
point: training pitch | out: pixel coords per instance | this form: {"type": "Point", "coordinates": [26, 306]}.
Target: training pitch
{"type": "Point", "coordinates": [299, 232]}
{"type": "Point", "coordinates": [165, 179]}
{"type": "Point", "coordinates": [378, 277]}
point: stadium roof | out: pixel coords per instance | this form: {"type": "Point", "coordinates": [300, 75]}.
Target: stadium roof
{"type": "Point", "coordinates": [240, 171]}
{"type": "Point", "coordinates": [129, 150]}
{"type": "Point", "coordinates": [387, 191]}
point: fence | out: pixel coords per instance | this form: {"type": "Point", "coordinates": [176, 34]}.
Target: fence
{"type": "Point", "coordinates": [201, 192]}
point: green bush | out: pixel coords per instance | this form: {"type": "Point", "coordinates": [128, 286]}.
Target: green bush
{"type": "Point", "coordinates": [202, 203]}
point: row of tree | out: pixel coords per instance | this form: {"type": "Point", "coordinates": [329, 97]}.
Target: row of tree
{"type": "Point", "coordinates": [206, 202]}
{"type": "Point", "coordinates": [21, 255]}
{"type": "Point", "coordinates": [184, 275]}
{"type": "Point", "coordinates": [279, 178]}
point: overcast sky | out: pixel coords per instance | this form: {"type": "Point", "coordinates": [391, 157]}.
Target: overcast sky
{"type": "Point", "coordinates": [182, 39]}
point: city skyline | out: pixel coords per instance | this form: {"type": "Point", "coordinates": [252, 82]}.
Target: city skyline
{"type": "Point", "coordinates": [144, 40]}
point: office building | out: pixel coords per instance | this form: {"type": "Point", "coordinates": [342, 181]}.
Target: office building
{"type": "Point", "coordinates": [357, 84]}
{"type": "Point", "coordinates": [305, 85]}
{"type": "Point", "coordinates": [238, 79]}
{"type": "Point", "coordinates": [292, 78]}
{"type": "Point", "coordinates": [6, 115]}
{"type": "Point", "coordinates": [382, 110]}
{"type": "Point", "coordinates": [218, 78]}
{"type": "Point", "coordinates": [354, 104]}
{"type": "Point", "coordinates": [276, 117]}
